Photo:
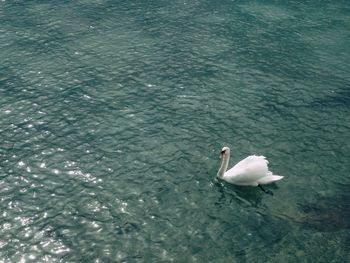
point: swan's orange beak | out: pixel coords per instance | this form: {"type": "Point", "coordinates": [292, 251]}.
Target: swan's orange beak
{"type": "Point", "coordinates": [222, 153]}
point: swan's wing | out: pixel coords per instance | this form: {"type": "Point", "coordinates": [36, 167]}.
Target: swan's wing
{"type": "Point", "coordinates": [248, 171]}
{"type": "Point", "coordinates": [252, 160]}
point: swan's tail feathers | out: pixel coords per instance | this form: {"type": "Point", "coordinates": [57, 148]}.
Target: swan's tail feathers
{"type": "Point", "coordinates": [270, 178]}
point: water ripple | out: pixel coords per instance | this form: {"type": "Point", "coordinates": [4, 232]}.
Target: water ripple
{"type": "Point", "coordinates": [112, 116]}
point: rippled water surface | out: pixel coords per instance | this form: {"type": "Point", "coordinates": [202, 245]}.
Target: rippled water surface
{"type": "Point", "coordinates": [112, 115]}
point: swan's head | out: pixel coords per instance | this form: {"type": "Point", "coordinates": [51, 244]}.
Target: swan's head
{"type": "Point", "coordinates": [224, 152]}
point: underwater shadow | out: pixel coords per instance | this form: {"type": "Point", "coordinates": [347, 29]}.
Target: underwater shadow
{"type": "Point", "coordinates": [341, 98]}
{"type": "Point", "coordinates": [327, 214]}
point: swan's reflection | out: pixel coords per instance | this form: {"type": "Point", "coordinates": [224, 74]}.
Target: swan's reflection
{"type": "Point", "coordinates": [247, 196]}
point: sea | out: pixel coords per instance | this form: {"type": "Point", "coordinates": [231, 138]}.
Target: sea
{"type": "Point", "coordinates": [113, 114]}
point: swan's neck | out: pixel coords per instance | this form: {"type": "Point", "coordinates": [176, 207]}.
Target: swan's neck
{"type": "Point", "coordinates": [224, 165]}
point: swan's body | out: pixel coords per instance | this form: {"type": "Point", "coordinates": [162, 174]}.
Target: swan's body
{"type": "Point", "coordinates": [251, 171]}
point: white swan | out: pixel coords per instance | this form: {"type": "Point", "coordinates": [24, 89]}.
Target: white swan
{"type": "Point", "coordinates": [251, 171]}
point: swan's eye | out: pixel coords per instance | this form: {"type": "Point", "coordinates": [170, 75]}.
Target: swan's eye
{"type": "Point", "coordinates": [222, 153]}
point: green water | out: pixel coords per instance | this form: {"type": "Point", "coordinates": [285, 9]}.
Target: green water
{"type": "Point", "coordinates": [113, 113]}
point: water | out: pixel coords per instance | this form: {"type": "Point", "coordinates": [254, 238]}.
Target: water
{"type": "Point", "coordinates": [112, 115]}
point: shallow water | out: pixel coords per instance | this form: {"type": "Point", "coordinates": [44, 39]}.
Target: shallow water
{"type": "Point", "coordinates": [112, 115]}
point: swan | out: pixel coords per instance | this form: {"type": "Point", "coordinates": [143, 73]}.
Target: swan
{"type": "Point", "coordinates": [251, 171]}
